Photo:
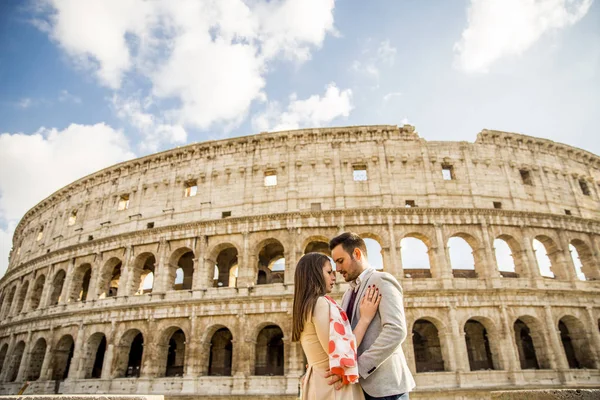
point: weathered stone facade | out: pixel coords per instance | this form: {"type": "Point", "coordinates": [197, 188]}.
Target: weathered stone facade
{"type": "Point", "coordinates": [158, 275]}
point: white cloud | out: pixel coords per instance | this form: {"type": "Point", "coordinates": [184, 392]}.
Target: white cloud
{"type": "Point", "coordinates": [25, 103]}
{"type": "Point", "coordinates": [154, 130]}
{"type": "Point", "coordinates": [65, 96]}
{"type": "Point", "coordinates": [390, 96]}
{"type": "Point", "coordinates": [373, 59]}
{"type": "Point", "coordinates": [314, 111]}
{"type": "Point", "coordinates": [211, 57]}
{"type": "Point", "coordinates": [504, 28]}
{"type": "Point", "coordinates": [34, 166]}
{"type": "Point", "coordinates": [386, 53]}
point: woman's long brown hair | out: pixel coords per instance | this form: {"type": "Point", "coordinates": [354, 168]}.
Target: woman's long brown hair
{"type": "Point", "coordinates": [309, 284]}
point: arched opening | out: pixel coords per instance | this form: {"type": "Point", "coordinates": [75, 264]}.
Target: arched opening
{"type": "Point", "coordinates": [318, 246]}
{"type": "Point", "coordinates": [62, 356]}
{"type": "Point", "coordinates": [505, 260]}
{"type": "Point", "coordinates": [374, 253]}
{"type": "Point", "coordinates": [478, 346]}
{"type": "Point", "coordinates": [583, 260]}
{"type": "Point", "coordinates": [81, 283]}
{"type": "Point", "coordinates": [427, 348]}
{"type": "Point", "coordinates": [184, 270]}
{"type": "Point", "coordinates": [271, 263]}
{"type": "Point", "coordinates": [57, 286]}
{"type": "Point", "coordinates": [109, 279]}
{"type": "Point", "coordinates": [574, 340]}
{"type": "Point", "coordinates": [129, 364]}
{"type": "Point", "coordinates": [9, 302]}
{"type": "Point", "coordinates": [269, 351]}
{"type": "Point", "coordinates": [226, 260]}
{"type": "Point", "coordinates": [546, 254]}
{"type": "Point", "coordinates": [462, 257]}
{"type": "Point", "coordinates": [525, 346]}
{"type": "Point", "coordinates": [95, 350]}
{"type": "Point", "coordinates": [22, 297]}
{"type": "Point", "coordinates": [36, 359]}
{"type": "Point", "coordinates": [15, 361]}
{"type": "Point", "coordinates": [3, 352]}
{"type": "Point", "coordinates": [143, 273]}
{"type": "Point", "coordinates": [36, 292]}
{"type": "Point", "coordinates": [174, 359]}
{"type": "Point", "coordinates": [416, 259]}
{"type": "Point", "coordinates": [221, 353]}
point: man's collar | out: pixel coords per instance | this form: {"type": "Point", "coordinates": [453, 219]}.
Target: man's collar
{"type": "Point", "coordinates": [357, 282]}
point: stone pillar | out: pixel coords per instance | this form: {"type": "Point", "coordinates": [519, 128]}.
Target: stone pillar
{"type": "Point", "coordinates": [192, 350]}
{"type": "Point", "coordinates": [75, 371]}
{"type": "Point", "coordinates": [21, 375]}
{"type": "Point", "coordinates": [557, 356]}
{"type": "Point", "coordinates": [46, 370]}
{"type": "Point", "coordinates": [96, 272]}
{"type": "Point", "coordinates": [108, 361]}
{"type": "Point", "coordinates": [247, 265]}
{"type": "Point", "coordinates": [64, 293]}
{"type": "Point", "coordinates": [200, 281]}
{"type": "Point", "coordinates": [409, 351]}
{"type": "Point", "coordinates": [394, 262]}
{"type": "Point", "coordinates": [290, 255]}
{"type": "Point", "coordinates": [512, 359]}
{"type": "Point", "coordinates": [490, 269]}
{"type": "Point", "coordinates": [47, 289]}
{"type": "Point", "coordinates": [449, 352]}
{"type": "Point", "coordinates": [460, 345]}
{"type": "Point", "coordinates": [161, 269]}
{"type": "Point", "coordinates": [594, 334]}
{"type": "Point", "coordinates": [530, 262]}
{"type": "Point", "coordinates": [126, 272]}
{"type": "Point", "coordinates": [568, 265]}
{"type": "Point", "coordinates": [442, 268]}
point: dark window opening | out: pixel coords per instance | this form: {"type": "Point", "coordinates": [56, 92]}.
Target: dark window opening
{"type": "Point", "coordinates": [226, 214]}
{"type": "Point", "coordinates": [526, 177]}
{"type": "Point", "coordinates": [497, 205]}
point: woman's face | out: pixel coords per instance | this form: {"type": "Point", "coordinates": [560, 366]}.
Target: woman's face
{"type": "Point", "coordinates": [329, 275]}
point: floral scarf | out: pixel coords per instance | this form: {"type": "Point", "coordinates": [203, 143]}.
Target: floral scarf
{"type": "Point", "coordinates": [342, 344]}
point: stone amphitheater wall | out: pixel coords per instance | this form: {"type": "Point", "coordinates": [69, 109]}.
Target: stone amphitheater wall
{"type": "Point", "coordinates": [315, 198]}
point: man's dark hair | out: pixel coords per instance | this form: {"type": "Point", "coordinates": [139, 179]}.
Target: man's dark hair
{"type": "Point", "coordinates": [349, 242]}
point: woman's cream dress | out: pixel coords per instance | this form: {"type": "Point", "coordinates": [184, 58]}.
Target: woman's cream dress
{"type": "Point", "coordinates": [315, 343]}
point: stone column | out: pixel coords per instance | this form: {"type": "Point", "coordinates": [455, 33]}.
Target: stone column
{"type": "Point", "coordinates": [384, 174]}
{"type": "Point", "coordinates": [557, 357]}
{"type": "Point", "coordinates": [126, 272]}
{"type": "Point", "coordinates": [192, 348]}
{"type": "Point", "coordinates": [96, 272]}
{"type": "Point", "coordinates": [338, 169]}
{"type": "Point", "coordinates": [460, 345]}
{"type": "Point", "coordinates": [47, 289]}
{"type": "Point", "coordinates": [290, 255]}
{"type": "Point", "coordinates": [442, 268]}
{"type": "Point", "coordinates": [594, 334]}
{"type": "Point", "coordinates": [512, 359]}
{"type": "Point", "coordinates": [25, 359]}
{"type": "Point", "coordinates": [64, 293]}
{"type": "Point", "coordinates": [161, 269]}
{"type": "Point", "coordinates": [394, 262]}
{"type": "Point", "coordinates": [75, 371]}
{"type": "Point", "coordinates": [530, 262]}
{"type": "Point", "coordinates": [247, 265]}
{"type": "Point", "coordinates": [200, 281]}
{"type": "Point", "coordinates": [409, 351]}
{"type": "Point", "coordinates": [490, 269]}
{"type": "Point", "coordinates": [46, 370]}
{"type": "Point", "coordinates": [568, 265]}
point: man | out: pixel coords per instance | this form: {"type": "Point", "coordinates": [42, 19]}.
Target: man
{"type": "Point", "coordinates": [382, 366]}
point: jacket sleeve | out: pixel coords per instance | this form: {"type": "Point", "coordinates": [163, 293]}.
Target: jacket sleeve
{"type": "Point", "coordinates": [393, 326]}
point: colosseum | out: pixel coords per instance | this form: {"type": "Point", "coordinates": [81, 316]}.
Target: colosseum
{"type": "Point", "coordinates": [173, 273]}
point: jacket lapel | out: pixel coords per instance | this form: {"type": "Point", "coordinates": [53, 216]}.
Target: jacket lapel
{"type": "Point", "coordinates": [359, 295]}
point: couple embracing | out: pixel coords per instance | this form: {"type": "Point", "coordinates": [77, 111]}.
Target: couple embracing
{"type": "Point", "coordinates": [354, 350]}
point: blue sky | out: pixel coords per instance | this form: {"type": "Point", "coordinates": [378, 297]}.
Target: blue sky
{"type": "Point", "coordinates": [86, 84]}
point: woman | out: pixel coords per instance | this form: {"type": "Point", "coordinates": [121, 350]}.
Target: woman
{"type": "Point", "coordinates": [323, 329]}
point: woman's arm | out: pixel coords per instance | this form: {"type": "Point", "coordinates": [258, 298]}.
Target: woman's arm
{"type": "Point", "coordinates": [368, 308]}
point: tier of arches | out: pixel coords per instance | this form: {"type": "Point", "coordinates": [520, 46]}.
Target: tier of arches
{"type": "Point", "coordinates": [465, 343]}
{"type": "Point", "coordinates": [415, 255]}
